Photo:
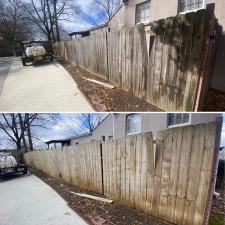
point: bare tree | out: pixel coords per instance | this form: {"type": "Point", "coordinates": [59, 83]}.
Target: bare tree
{"type": "Point", "coordinates": [18, 127]}
{"type": "Point", "coordinates": [107, 8]}
{"type": "Point", "coordinates": [10, 124]}
{"type": "Point", "coordinates": [80, 123]}
{"type": "Point", "coordinates": [13, 22]}
{"type": "Point", "coordinates": [47, 14]}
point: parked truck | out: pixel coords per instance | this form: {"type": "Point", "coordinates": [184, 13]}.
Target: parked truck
{"type": "Point", "coordinates": [36, 51]}
{"type": "Point", "coordinates": [9, 165]}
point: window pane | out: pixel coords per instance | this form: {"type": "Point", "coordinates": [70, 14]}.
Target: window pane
{"type": "Point", "coordinates": [143, 12]}
{"type": "Point", "coordinates": [178, 118]}
{"type": "Point", "coordinates": [171, 119]}
{"type": "Point", "coordinates": [189, 5]}
{"type": "Point", "coordinates": [186, 117]}
{"type": "Point", "coordinates": [133, 123]}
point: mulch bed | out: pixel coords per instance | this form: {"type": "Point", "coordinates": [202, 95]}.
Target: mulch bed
{"type": "Point", "coordinates": [104, 99]}
{"type": "Point", "coordinates": [215, 101]}
{"type": "Point", "coordinates": [96, 212]}
{"type": "Point", "coordinates": [218, 206]}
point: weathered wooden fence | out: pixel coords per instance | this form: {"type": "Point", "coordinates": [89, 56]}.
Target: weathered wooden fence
{"type": "Point", "coordinates": [6, 52]}
{"type": "Point", "coordinates": [173, 75]}
{"type": "Point", "coordinates": [174, 184]}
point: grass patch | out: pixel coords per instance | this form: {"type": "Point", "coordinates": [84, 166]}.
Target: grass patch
{"type": "Point", "coordinates": [216, 220]}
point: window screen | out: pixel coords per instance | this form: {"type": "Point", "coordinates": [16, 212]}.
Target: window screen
{"type": "Point", "coordinates": [189, 5]}
{"type": "Point", "coordinates": [143, 12]}
{"type": "Point", "coordinates": [133, 124]}
{"type": "Point", "coordinates": [178, 119]}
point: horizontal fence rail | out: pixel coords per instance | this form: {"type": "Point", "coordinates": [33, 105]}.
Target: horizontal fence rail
{"type": "Point", "coordinates": [173, 75]}
{"type": "Point", "coordinates": [172, 180]}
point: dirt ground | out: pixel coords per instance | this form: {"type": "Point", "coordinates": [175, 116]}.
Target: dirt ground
{"type": "Point", "coordinates": [214, 102]}
{"type": "Point", "coordinates": [95, 212]}
{"type": "Point", "coordinates": [218, 206]}
{"type": "Point", "coordinates": [105, 99]}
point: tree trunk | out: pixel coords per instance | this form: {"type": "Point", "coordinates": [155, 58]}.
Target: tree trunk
{"type": "Point", "coordinates": [29, 132]}
{"type": "Point", "coordinates": [23, 128]}
{"type": "Point", "coordinates": [56, 22]}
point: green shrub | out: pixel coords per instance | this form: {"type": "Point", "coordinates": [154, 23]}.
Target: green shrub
{"type": "Point", "coordinates": [216, 220]}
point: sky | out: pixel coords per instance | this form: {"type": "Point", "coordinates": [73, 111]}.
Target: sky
{"type": "Point", "coordinates": [62, 127]}
{"type": "Point", "coordinates": [88, 20]}
{"type": "Point", "coordinates": [222, 144]}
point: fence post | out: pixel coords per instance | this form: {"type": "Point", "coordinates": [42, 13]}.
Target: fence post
{"type": "Point", "coordinates": [212, 184]}
{"type": "Point", "coordinates": [107, 55]}
{"type": "Point", "coordinates": [207, 56]}
{"type": "Point", "coordinates": [102, 168]}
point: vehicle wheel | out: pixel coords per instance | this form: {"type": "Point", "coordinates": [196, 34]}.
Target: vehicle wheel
{"type": "Point", "coordinates": [24, 62]}
{"type": "Point", "coordinates": [25, 172]}
{"type": "Point", "coordinates": [51, 59]}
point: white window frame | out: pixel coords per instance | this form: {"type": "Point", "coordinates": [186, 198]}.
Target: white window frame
{"type": "Point", "coordinates": [179, 125]}
{"type": "Point", "coordinates": [138, 132]}
{"type": "Point", "coordinates": [194, 10]}
{"type": "Point", "coordinates": [144, 22]}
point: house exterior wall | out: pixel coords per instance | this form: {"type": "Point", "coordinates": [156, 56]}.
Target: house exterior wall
{"type": "Point", "coordinates": [159, 9]}
{"type": "Point", "coordinates": [81, 140]}
{"type": "Point", "coordinates": [117, 22]}
{"type": "Point", "coordinates": [155, 122]}
{"type": "Point", "coordinates": [115, 125]}
{"type": "Point", "coordinates": [99, 30]}
{"type": "Point", "coordinates": [104, 129]}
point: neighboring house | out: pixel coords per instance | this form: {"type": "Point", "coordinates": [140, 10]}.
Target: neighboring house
{"type": "Point", "coordinates": [56, 144]}
{"type": "Point", "coordinates": [92, 31]}
{"type": "Point", "coordinates": [117, 125]}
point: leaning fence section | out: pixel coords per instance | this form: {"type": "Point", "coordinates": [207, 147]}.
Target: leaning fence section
{"type": "Point", "coordinates": [172, 75]}
{"type": "Point", "coordinates": [172, 180]}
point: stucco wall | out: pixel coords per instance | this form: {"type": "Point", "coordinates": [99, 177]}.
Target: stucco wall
{"type": "Point", "coordinates": [80, 140]}
{"type": "Point", "coordinates": [157, 121]}
{"type": "Point", "coordinates": [117, 21]}
{"type": "Point", "coordinates": [99, 31]}
{"type": "Point", "coordinates": [104, 129]}
{"type": "Point", "coordinates": [152, 122]}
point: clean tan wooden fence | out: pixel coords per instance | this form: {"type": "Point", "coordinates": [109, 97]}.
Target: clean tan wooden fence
{"type": "Point", "coordinates": [174, 184]}
{"type": "Point", "coordinates": [174, 75]}
{"type": "Point", "coordinates": [79, 165]}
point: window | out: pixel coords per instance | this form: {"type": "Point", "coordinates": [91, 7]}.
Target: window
{"type": "Point", "coordinates": [143, 12]}
{"type": "Point", "coordinates": [133, 124]}
{"type": "Point", "coordinates": [178, 119]}
{"type": "Point", "coordinates": [189, 5]}
{"type": "Point", "coordinates": [110, 138]}
{"type": "Point", "coordinates": [103, 138]}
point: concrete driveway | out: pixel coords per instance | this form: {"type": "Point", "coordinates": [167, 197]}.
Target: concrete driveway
{"type": "Point", "coordinates": [5, 64]}
{"type": "Point", "coordinates": [45, 87]}
{"type": "Point", "coordinates": [26, 200]}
